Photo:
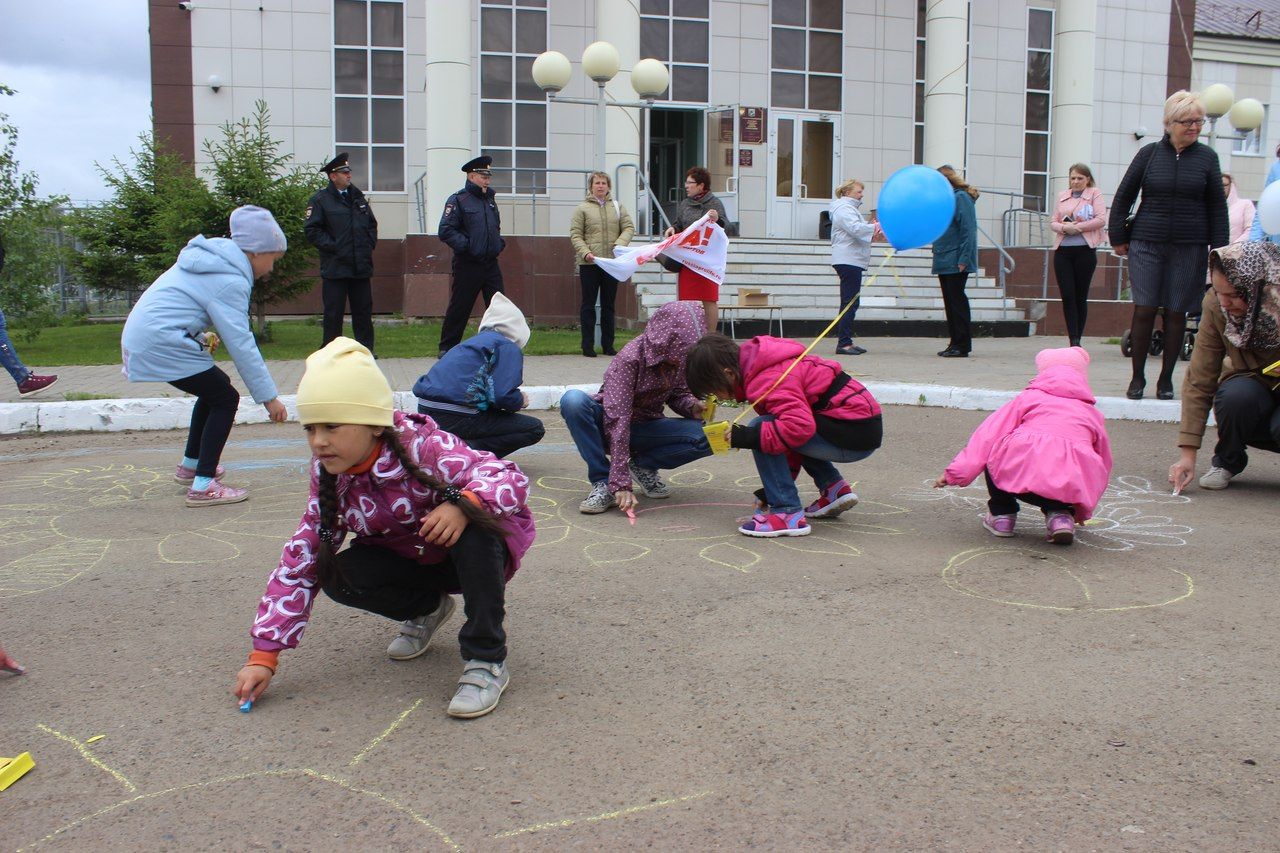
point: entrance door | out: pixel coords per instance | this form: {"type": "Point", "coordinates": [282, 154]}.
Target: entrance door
{"type": "Point", "coordinates": [673, 148]}
{"type": "Point", "coordinates": [804, 160]}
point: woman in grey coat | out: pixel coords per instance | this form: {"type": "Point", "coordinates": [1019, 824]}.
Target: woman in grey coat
{"type": "Point", "coordinates": [851, 237]}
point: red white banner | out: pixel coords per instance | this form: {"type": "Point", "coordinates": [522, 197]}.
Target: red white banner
{"type": "Point", "coordinates": [701, 247]}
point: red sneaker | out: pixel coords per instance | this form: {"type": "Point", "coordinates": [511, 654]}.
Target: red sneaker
{"type": "Point", "coordinates": [35, 384]}
{"type": "Point", "coordinates": [834, 500]}
{"type": "Point", "coordinates": [186, 476]}
{"type": "Point", "coordinates": [216, 495]}
{"type": "Point", "coordinates": [776, 524]}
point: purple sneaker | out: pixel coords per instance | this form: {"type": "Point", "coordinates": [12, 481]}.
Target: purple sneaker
{"type": "Point", "coordinates": [1061, 527]}
{"type": "Point", "coordinates": [216, 495]}
{"type": "Point", "coordinates": [776, 524]}
{"type": "Point", "coordinates": [834, 500]}
{"type": "Point", "coordinates": [999, 525]}
{"type": "Point", "coordinates": [186, 476]}
{"type": "Point", "coordinates": [35, 384]}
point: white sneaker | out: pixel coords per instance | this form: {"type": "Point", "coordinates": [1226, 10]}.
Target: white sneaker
{"type": "Point", "coordinates": [650, 484]}
{"type": "Point", "coordinates": [599, 500]}
{"type": "Point", "coordinates": [479, 689]}
{"type": "Point", "coordinates": [1216, 478]}
{"type": "Point", "coordinates": [415, 634]}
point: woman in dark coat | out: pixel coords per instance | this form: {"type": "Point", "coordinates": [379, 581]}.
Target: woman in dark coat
{"type": "Point", "coordinates": [1182, 216]}
{"type": "Point", "coordinates": [699, 201]}
{"type": "Point", "coordinates": [955, 256]}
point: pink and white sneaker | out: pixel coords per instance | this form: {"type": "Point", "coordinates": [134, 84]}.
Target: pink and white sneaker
{"type": "Point", "coordinates": [776, 524]}
{"type": "Point", "coordinates": [999, 525]}
{"type": "Point", "coordinates": [186, 476]}
{"type": "Point", "coordinates": [216, 495]}
{"type": "Point", "coordinates": [1061, 527]}
{"type": "Point", "coordinates": [834, 500]}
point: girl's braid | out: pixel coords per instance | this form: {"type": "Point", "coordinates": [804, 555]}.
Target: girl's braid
{"type": "Point", "coordinates": [327, 569]}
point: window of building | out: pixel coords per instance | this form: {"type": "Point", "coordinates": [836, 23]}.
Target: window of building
{"type": "Point", "coordinates": [1035, 136]}
{"type": "Point", "coordinates": [678, 32]}
{"type": "Point", "coordinates": [807, 48]}
{"type": "Point", "coordinates": [1254, 143]}
{"type": "Point", "coordinates": [921, 13]}
{"type": "Point", "coordinates": [513, 110]}
{"type": "Point", "coordinates": [368, 90]}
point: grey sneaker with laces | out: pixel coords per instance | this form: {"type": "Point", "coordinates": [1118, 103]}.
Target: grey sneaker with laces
{"type": "Point", "coordinates": [479, 689]}
{"type": "Point", "coordinates": [415, 634]}
{"type": "Point", "coordinates": [1216, 478]}
{"type": "Point", "coordinates": [649, 482]}
{"type": "Point", "coordinates": [599, 500]}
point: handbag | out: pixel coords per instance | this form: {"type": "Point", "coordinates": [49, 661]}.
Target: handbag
{"type": "Point", "coordinates": [1133, 211]}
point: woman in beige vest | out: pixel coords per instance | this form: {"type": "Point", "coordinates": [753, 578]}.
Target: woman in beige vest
{"type": "Point", "coordinates": [598, 224]}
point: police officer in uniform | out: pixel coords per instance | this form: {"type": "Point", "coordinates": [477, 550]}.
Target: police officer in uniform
{"type": "Point", "coordinates": [342, 226]}
{"type": "Point", "coordinates": [470, 227]}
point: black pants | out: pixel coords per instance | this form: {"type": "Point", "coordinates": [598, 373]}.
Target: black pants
{"type": "Point", "coordinates": [383, 582]}
{"type": "Point", "coordinates": [336, 292]}
{"type": "Point", "coordinates": [1074, 266]}
{"type": "Point", "coordinates": [471, 278]}
{"type": "Point", "coordinates": [850, 287]}
{"type": "Point", "coordinates": [596, 281]}
{"type": "Point", "coordinates": [1006, 503]}
{"type": "Point", "coordinates": [956, 304]}
{"type": "Point", "coordinates": [500, 433]}
{"type": "Point", "coordinates": [1248, 415]}
{"type": "Point", "coordinates": [212, 417]}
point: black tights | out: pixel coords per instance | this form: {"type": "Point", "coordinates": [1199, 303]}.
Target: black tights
{"type": "Point", "coordinates": [1144, 323]}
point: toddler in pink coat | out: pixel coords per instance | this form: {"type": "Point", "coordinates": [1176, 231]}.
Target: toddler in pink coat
{"type": "Point", "coordinates": [1048, 447]}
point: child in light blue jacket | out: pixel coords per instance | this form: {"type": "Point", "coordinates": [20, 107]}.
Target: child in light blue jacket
{"type": "Point", "coordinates": [166, 339]}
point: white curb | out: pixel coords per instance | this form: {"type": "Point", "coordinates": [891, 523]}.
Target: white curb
{"type": "Point", "coordinates": [156, 413]}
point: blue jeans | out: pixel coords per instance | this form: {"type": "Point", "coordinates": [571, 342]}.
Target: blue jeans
{"type": "Point", "coordinates": [664, 443]}
{"type": "Point", "coordinates": [850, 286]}
{"type": "Point", "coordinates": [816, 456]}
{"type": "Point", "coordinates": [9, 358]}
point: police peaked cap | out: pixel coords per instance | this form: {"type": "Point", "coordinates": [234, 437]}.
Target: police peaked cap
{"type": "Point", "coordinates": [337, 164]}
{"type": "Point", "coordinates": [478, 163]}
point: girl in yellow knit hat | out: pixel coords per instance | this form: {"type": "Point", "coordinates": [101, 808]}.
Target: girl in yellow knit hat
{"type": "Point", "coordinates": [428, 517]}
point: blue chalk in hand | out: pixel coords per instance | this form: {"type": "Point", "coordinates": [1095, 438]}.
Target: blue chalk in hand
{"type": "Point", "coordinates": [246, 706]}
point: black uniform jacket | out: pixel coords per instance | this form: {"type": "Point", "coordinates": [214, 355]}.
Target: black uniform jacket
{"type": "Point", "coordinates": [470, 223]}
{"type": "Point", "coordinates": [345, 232]}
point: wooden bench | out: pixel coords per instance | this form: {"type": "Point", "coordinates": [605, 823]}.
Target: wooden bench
{"type": "Point", "coordinates": [751, 299]}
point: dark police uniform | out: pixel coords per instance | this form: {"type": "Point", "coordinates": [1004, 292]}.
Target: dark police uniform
{"type": "Point", "coordinates": [471, 227]}
{"type": "Point", "coordinates": [342, 226]}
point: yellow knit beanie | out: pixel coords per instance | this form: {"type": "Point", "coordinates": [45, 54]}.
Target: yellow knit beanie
{"type": "Point", "coordinates": [343, 385]}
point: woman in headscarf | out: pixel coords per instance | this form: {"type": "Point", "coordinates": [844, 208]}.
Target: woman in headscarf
{"type": "Point", "coordinates": [1241, 322]}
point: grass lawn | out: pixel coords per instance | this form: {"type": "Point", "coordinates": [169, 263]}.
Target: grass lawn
{"type": "Point", "coordinates": [291, 339]}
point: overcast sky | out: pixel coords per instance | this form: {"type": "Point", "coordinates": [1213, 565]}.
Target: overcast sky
{"type": "Point", "coordinates": [82, 71]}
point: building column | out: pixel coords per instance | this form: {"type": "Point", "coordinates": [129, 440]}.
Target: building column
{"type": "Point", "coordinates": [618, 22]}
{"type": "Point", "coordinates": [1073, 65]}
{"type": "Point", "coordinates": [946, 70]}
{"type": "Point", "coordinates": [450, 109]}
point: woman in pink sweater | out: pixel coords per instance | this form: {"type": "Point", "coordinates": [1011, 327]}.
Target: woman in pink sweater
{"type": "Point", "coordinates": [811, 415]}
{"type": "Point", "coordinates": [1240, 211]}
{"type": "Point", "coordinates": [1078, 221]}
{"type": "Point", "coordinates": [1048, 446]}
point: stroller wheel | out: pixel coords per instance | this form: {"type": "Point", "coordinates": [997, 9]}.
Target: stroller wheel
{"type": "Point", "coordinates": [1126, 343]}
{"type": "Point", "coordinates": [1188, 344]}
{"type": "Point", "coordinates": [1157, 342]}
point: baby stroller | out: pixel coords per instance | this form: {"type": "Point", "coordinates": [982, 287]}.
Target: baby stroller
{"type": "Point", "coordinates": [1158, 342]}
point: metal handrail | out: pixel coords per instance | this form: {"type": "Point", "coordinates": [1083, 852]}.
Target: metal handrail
{"type": "Point", "coordinates": [641, 180]}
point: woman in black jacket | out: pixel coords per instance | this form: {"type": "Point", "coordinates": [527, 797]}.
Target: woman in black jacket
{"type": "Point", "coordinates": [1182, 216]}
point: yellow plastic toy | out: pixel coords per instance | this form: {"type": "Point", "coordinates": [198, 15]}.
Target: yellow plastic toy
{"type": "Point", "coordinates": [13, 769]}
{"type": "Point", "coordinates": [709, 409]}
{"type": "Point", "coordinates": [718, 436]}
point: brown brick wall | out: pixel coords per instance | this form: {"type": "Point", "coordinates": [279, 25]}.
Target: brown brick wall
{"type": "Point", "coordinates": [172, 110]}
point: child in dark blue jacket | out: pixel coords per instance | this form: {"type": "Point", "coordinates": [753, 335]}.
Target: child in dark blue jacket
{"type": "Point", "coordinates": [474, 390]}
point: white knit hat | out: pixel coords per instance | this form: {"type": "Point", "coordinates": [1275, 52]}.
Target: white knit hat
{"type": "Point", "coordinates": [505, 318]}
{"type": "Point", "coordinates": [255, 230]}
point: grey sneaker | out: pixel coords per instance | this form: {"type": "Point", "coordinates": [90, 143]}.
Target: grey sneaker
{"type": "Point", "coordinates": [599, 500]}
{"type": "Point", "coordinates": [649, 482]}
{"type": "Point", "coordinates": [415, 635]}
{"type": "Point", "coordinates": [1216, 478]}
{"type": "Point", "coordinates": [479, 689]}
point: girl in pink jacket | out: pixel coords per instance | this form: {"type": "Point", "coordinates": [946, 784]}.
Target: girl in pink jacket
{"type": "Point", "coordinates": [1048, 446]}
{"type": "Point", "coordinates": [429, 517]}
{"type": "Point", "coordinates": [811, 415]}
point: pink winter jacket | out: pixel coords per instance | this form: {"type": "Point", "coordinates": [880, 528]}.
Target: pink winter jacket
{"type": "Point", "coordinates": [1240, 212]}
{"type": "Point", "coordinates": [1048, 440]}
{"type": "Point", "coordinates": [383, 508]}
{"type": "Point", "coordinates": [762, 359]}
{"type": "Point", "coordinates": [1091, 229]}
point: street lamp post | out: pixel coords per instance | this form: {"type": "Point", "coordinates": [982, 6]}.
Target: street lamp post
{"type": "Point", "coordinates": [600, 62]}
{"type": "Point", "coordinates": [1245, 115]}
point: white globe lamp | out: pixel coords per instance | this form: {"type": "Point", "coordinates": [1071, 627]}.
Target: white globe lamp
{"type": "Point", "coordinates": [551, 71]}
{"type": "Point", "coordinates": [1246, 115]}
{"type": "Point", "coordinates": [600, 61]}
{"type": "Point", "coordinates": [1217, 100]}
{"type": "Point", "coordinates": [649, 78]}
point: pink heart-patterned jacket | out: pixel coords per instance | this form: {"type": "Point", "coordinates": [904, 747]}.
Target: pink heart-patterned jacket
{"type": "Point", "coordinates": [383, 507]}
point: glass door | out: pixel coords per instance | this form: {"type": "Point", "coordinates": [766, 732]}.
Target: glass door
{"type": "Point", "coordinates": [804, 165]}
{"type": "Point", "coordinates": [722, 156]}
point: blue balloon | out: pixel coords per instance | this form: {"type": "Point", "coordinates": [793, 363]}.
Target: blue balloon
{"type": "Point", "coordinates": [915, 206]}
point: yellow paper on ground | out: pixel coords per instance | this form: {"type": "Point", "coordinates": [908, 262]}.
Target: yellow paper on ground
{"type": "Point", "coordinates": [718, 436]}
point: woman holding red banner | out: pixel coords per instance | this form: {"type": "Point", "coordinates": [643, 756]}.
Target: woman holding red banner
{"type": "Point", "coordinates": [699, 201]}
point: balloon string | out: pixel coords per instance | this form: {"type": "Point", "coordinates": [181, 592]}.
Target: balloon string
{"type": "Point", "coordinates": [819, 338]}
